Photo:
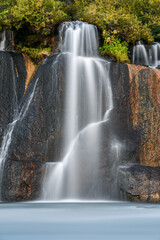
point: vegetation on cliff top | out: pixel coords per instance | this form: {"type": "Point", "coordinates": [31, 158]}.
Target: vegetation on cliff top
{"type": "Point", "coordinates": [121, 22]}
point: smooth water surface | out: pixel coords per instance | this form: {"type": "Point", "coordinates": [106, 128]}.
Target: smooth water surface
{"type": "Point", "coordinates": [110, 220]}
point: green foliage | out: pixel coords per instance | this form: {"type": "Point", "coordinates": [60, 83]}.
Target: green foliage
{"type": "Point", "coordinates": [41, 15]}
{"type": "Point", "coordinates": [109, 18]}
{"type": "Point", "coordinates": [147, 11]}
{"type": "Point", "coordinates": [34, 53]}
{"type": "Point", "coordinates": [122, 21]}
{"type": "Point", "coordinates": [115, 48]}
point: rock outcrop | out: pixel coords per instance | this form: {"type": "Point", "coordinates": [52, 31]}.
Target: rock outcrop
{"type": "Point", "coordinates": [40, 132]}
{"type": "Point", "coordinates": [145, 109]}
{"type": "Point", "coordinates": [137, 101]}
{"type": "Point", "coordinates": [139, 183]}
{"type": "Point", "coordinates": [22, 180]}
{"type": "Point", "coordinates": [12, 86]}
{"type": "Point", "coordinates": [135, 120]}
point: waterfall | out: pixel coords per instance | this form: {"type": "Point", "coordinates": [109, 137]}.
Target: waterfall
{"type": "Point", "coordinates": [146, 55]}
{"type": "Point", "coordinates": [140, 55]}
{"type": "Point", "coordinates": [3, 41]}
{"type": "Point", "coordinates": [88, 101]}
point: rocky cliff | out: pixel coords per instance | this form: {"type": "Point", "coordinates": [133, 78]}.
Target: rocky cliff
{"type": "Point", "coordinates": [12, 86]}
{"type": "Point", "coordinates": [137, 113]}
{"type": "Point", "coordinates": [37, 137]}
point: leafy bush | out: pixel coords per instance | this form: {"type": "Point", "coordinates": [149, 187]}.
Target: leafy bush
{"type": "Point", "coordinates": [115, 48]}
{"type": "Point", "coordinates": [41, 15]}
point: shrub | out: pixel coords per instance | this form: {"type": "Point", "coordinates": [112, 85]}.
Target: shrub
{"type": "Point", "coordinates": [41, 15]}
{"type": "Point", "coordinates": [115, 48]}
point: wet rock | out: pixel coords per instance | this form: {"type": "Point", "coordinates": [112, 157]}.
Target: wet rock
{"type": "Point", "coordinates": [12, 86]}
{"type": "Point", "coordinates": [145, 101]}
{"type": "Point", "coordinates": [130, 136]}
{"type": "Point", "coordinates": [135, 117]}
{"type": "Point", "coordinates": [139, 183]}
{"type": "Point", "coordinates": [135, 124]}
{"type": "Point", "coordinates": [40, 132]}
{"type": "Point", "coordinates": [22, 180]}
{"type": "Point", "coordinates": [120, 117]}
{"type": "Point", "coordinates": [158, 67]}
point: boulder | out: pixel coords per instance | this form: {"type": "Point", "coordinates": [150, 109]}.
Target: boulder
{"type": "Point", "coordinates": [139, 183]}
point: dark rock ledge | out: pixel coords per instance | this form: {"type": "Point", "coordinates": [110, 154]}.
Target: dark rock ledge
{"type": "Point", "coordinates": [139, 183]}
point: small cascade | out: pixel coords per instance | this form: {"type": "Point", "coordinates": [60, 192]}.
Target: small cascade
{"type": "Point", "coordinates": [146, 55]}
{"type": "Point", "coordinates": [3, 41]}
{"type": "Point", "coordinates": [7, 138]}
{"type": "Point", "coordinates": [154, 55]}
{"type": "Point", "coordinates": [88, 101]}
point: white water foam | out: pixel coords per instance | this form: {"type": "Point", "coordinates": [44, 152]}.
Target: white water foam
{"type": "Point", "coordinates": [3, 41]}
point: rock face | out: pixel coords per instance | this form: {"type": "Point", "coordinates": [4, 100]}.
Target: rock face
{"type": "Point", "coordinates": [22, 180]}
{"type": "Point", "coordinates": [40, 132]}
{"type": "Point", "coordinates": [12, 86]}
{"type": "Point", "coordinates": [130, 136]}
{"type": "Point", "coordinates": [139, 183]}
{"type": "Point", "coordinates": [37, 135]}
{"type": "Point", "coordinates": [135, 120]}
{"type": "Point", "coordinates": [145, 102]}
{"type": "Point", "coordinates": [136, 112]}
{"type": "Point", "coordinates": [121, 115]}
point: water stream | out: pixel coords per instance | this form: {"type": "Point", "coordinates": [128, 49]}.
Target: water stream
{"type": "Point", "coordinates": [3, 41]}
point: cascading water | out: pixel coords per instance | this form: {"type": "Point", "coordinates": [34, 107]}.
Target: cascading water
{"type": "Point", "coordinates": [154, 55]}
{"type": "Point", "coordinates": [149, 56]}
{"type": "Point", "coordinates": [3, 41]}
{"type": "Point", "coordinates": [88, 99]}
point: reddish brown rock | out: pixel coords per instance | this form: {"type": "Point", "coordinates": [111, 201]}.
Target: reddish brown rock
{"type": "Point", "coordinates": [145, 110]}
{"type": "Point", "coordinates": [137, 111]}
{"type": "Point", "coordinates": [137, 108]}
{"type": "Point", "coordinates": [30, 69]}
{"type": "Point", "coordinates": [22, 180]}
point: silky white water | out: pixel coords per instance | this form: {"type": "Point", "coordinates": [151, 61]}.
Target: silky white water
{"type": "Point", "coordinates": [88, 99]}
{"type": "Point", "coordinates": [3, 41]}
{"type": "Point", "coordinates": [149, 56]}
